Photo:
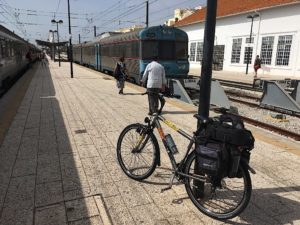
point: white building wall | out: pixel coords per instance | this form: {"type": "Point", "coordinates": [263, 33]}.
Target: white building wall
{"type": "Point", "coordinates": [271, 22]}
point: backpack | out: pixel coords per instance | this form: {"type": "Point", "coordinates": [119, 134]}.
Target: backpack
{"type": "Point", "coordinates": [119, 71]}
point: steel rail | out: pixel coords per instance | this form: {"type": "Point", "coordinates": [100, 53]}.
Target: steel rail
{"type": "Point", "coordinates": [255, 105]}
{"type": "Point", "coordinates": [270, 127]}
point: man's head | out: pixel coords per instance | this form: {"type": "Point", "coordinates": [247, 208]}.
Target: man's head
{"type": "Point", "coordinates": [121, 59]}
{"type": "Point", "coordinates": [155, 58]}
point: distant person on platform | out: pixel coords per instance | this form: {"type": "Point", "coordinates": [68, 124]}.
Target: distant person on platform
{"type": "Point", "coordinates": [120, 74]}
{"type": "Point", "coordinates": [29, 58]}
{"type": "Point", "coordinates": [257, 65]}
{"type": "Point", "coordinates": [156, 82]}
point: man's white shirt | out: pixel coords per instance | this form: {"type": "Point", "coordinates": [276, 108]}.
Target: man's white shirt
{"type": "Point", "coordinates": [155, 74]}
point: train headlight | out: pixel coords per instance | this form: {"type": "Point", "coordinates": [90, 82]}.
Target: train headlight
{"type": "Point", "coordinates": [182, 67]}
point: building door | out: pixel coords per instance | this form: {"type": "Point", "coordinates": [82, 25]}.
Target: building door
{"type": "Point", "coordinates": [218, 57]}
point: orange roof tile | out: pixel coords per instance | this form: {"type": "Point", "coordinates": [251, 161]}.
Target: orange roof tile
{"type": "Point", "coordinates": [233, 7]}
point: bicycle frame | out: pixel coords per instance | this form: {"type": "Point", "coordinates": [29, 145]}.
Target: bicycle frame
{"type": "Point", "coordinates": [156, 124]}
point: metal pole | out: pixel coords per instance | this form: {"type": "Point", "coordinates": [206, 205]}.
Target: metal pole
{"type": "Point", "coordinates": [206, 69]}
{"type": "Point", "coordinates": [206, 74]}
{"type": "Point", "coordinates": [70, 41]}
{"type": "Point", "coordinates": [79, 38]}
{"type": "Point", "coordinates": [147, 13]}
{"type": "Point", "coordinates": [53, 47]}
{"type": "Point", "coordinates": [248, 52]}
{"type": "Point", "coordinates": [95, 31]}
{"type": "Point", "coordinates": [58, 44]}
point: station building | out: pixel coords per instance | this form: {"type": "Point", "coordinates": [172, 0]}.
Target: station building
{"type": "Point", "coordinates": [275, 36]}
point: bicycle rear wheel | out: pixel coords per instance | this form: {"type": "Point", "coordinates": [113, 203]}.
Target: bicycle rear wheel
{"type": "Point", "coordinates": [137, 162]}
{"type": "Point", "coordinates": [223, 201]}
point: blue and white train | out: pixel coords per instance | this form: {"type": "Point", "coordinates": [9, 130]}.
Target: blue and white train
{"type": "Point", "coordinates": [138, 48]}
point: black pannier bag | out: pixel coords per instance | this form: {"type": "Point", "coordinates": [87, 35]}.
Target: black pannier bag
{"type": "Point", "coordinates": [220, 149]}
{"type": "Point", "coordinates": [230, 130]}
{"type": "Point", "coordinates": [212, 159]}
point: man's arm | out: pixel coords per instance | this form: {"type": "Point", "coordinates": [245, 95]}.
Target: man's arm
{"type": "Point", "coordinates": [145, 75]}
{"type": "Point", "coordinates": [164, 80]}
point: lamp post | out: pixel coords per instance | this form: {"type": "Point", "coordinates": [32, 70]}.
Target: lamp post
{"type": "Point", "coordinates": [52, 47]}
{"type": "Point", "coordinates": [70, 41]}
{"type": "Point", "coordinates": [57, 22]}
{"type": "Point", "coordinates": [248, 52]}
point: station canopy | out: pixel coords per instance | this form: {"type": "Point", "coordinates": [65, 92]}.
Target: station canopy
{"type": "Point", "coordinates": [51, 44]}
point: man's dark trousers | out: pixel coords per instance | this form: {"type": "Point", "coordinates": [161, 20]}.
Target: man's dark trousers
{"type": "Point", "coordinates": [153, 99]}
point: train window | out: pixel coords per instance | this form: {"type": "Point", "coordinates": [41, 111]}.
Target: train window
{"type": "Point", "coordinates": [149, 49]}
{"type": "Point", "coordinates": [181, 50]}
{"type": "Point", "coordinates": [166, 50]}
{"type": "Point", "coordinates": [1, 48]}
{"type": "Point", "coordinates": [13, 46]}
{"type": "Point", "coordinates": [4, 48]}
{"type": "Point", "coordinates": [135, 49]}
{"type": "Point", "coordinates": [128, 50]}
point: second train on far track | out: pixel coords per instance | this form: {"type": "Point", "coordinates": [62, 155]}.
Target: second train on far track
{"type": "Point", "coordinates": [138, 48]}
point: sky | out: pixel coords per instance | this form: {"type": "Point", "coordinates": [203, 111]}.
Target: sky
{"type": "Point", "coordinates": [31, 19]}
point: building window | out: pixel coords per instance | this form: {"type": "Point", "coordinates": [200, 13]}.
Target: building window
{"type": "Point", "coordinates": [266, 50]}
{"type": "Point", "coordinates": [248, 40]}
{"type": "Point", "coordinates": [192, 51]}
{"type": "Point", "coordinates": [284, 50]}
{"type": "Point", "coordinates": [199, 54]}
{"type": "Point", "coordinates": [236, 50]}
{"type": "Point", "coordinates": [250, 49]}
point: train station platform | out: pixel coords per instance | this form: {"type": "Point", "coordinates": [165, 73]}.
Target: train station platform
{"type": "Point", "coordinates": [58, 159]}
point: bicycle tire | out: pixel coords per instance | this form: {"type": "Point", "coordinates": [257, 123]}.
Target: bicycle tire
{"type": "Point", "coordinates": [121, 147]}
{"type": "Point", "coordinates": [200, 203]}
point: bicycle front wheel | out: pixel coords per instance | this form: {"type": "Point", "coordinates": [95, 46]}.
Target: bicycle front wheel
{"type": "Point", "coordinates": [220, 199]}
{"type": "Point", "coordinates": [137, 152]}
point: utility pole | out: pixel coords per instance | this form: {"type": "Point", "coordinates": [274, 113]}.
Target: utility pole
{"type": "Point", "coordinates": [58, 45]}
{"type": "Point", "coordinates": [79, 38]}
{"type": "Point", "coordinates": [95, 31]}
{"type": "Point", "coordinates": [206, 74]}
{"type": "Point", "coordinates": [70, 41]}
{"type": "Point", "coordinates": [147, 13]}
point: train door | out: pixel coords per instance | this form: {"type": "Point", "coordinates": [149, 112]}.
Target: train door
{"type": "Point", "coordinates": [96, 57]}
{"type": "Point", "coordinates": [80, 54]}
{"type": "Point", "coordinates": [99, 57]}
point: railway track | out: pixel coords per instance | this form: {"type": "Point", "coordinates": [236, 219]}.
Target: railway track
{"type": "Point", "coordinates": [256, 105]}
{"type": "Point", "coordinates": [270, 127]}
{"type": "Point", "coordinates": [239, 85]}
{"type": "Point", "coordinates": [267, 126]}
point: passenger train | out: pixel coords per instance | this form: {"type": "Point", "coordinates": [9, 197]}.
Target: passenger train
{"type": "Point", "coordinates": [13, 61]}
{"type": "Point", "coordinates": [138, 48]}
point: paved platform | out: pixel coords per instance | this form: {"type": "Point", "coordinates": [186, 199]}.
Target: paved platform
{"type": "Point", "coordinates": [58, 162]}
{"type": "Point", "coordinates": [241, 76]}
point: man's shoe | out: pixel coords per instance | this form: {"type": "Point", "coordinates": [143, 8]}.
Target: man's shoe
{"type": "Point", "coordinates": [150, 113]}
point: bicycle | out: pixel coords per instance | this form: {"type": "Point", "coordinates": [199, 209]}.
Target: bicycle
{"type": "Point", "coordinates": [219, 197]}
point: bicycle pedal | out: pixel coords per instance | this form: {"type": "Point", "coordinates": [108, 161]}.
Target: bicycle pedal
{"type": "Point", "coordinates": [165, 189]}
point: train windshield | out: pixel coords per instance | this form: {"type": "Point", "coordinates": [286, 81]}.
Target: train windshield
{"type": "Point", "coordinates": [181, 50]}
{"type": "Point", "coordinates": [166, 50]}
{"type": "Point", "coordinates": [149, 49]}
